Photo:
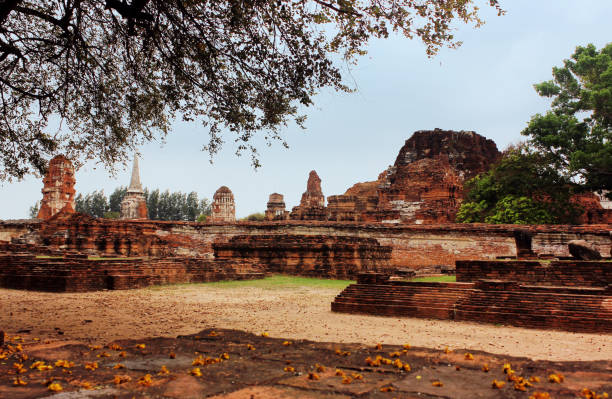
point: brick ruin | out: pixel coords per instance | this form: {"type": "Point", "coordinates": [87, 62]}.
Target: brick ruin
{"type": "Point", "coordinates": [275, 209]}
{"type": "Point", "coordinates": [58, 188]}
{"type": "Point", "coordinates": [337, 257]}
{"type": "Point", "coordinates": [312, 204]}
{"type": "Point", "coordinates": [223, 206]}
{"type": "Point", "coordinates": [134, 204]}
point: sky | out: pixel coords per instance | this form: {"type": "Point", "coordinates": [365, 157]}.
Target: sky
{"type": "Point", "coordinates": [486, 85]}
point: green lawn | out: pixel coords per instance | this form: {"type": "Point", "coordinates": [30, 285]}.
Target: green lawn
{"type": "Point", "coordinates": [274, 282]}
{"type": "Point", "coordinates": [436, 279]}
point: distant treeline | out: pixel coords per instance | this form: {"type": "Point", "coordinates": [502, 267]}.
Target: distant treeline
{"type": "Point", "coordinates": [161, 205]}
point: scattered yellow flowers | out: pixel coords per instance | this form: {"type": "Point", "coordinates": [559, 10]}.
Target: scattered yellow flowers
{"type": "Point", "coordinates": [498, 384]}
{"type": "Point", "coordinates": [103, 354]}
{"type": "Point", "coordinates": [118, 366]}
{"type": "Point", "coordinates": [91, 366]}
{"type": "Point", "coordinates": [19, 382]}
{"type": "Point", "coordinates": [265, 334]}
{"type": "Point", "coordinates": [556, 378]}
{"type": "Point", "coordinates": [145, 380]}
{"type": "Point", "coordinates": [469, 356]}
{"type": "Point", "coordinates": [55, 387]}
{"type": "Point", "coordinates": [120, 379]}
{"type": "Point", "coordinates": [287, 343]}
{"type": "Point", "coordinates": [141, 346]}
{"type": "Point", "coordinates": [164, 371]}
{"type": "Point", "coordinates": [540, 395]}
{"type": "Point", "coordinates": [196, 372]}
{"type": "Point", "coordinates": [115, 347]}
{"type": "Point", "coordinates": [313, 376]}
{"type": "Point", "coordinates": [250, 347]}
{"type": "Point", "coordinates": [64, 363]}
{"type": "Point", "coordinates": [289, 369]}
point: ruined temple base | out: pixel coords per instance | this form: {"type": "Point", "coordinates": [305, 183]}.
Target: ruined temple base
{"type": "Point", "coordinates": [262, 371]}
{"type": "Point", "coordinates": [568, 308]}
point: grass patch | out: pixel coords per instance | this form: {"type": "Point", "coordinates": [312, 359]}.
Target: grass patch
{"type": "Point", "coordinates": [273, 282]}
{"type": "Point", "coordinates": [436, 279]}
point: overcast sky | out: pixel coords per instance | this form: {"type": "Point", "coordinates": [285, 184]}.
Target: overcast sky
{"type": "Point", "coordinates": [486, 85]}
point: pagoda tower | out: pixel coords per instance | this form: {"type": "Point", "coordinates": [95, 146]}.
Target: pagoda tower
{"type": "Point", "coordinates": [134, 204]}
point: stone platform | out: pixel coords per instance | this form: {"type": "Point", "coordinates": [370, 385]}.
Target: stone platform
{"type": "Point", "coordinates": [568, 308]}
{"type": "Point", "coordinates": [229, 364]}
{"type": "Point", "coordinates": [79, 273]}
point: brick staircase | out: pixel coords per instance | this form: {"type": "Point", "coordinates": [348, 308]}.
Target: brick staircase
{"type": "Point", "coordinates": [428, 300]}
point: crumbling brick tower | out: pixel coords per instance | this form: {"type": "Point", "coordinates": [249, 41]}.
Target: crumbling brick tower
{"type": "Point", "coordinates": [276, 208]}
{"type": "Point", "coordinates": [223, 206]}
{"type": "Point", "coordinates": [58, 190]}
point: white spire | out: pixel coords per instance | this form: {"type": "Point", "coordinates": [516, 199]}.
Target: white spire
{"type": "Point", "coordinates": [135, 185]}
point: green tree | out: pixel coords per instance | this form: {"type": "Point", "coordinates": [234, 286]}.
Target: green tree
{"type": "Point", "coordinates": [114, 200]}
{"type": "Point", "coordinates": [116, 73]}
{"type": "Point", "coordinates": [33, 211]}
{"type": "Point", "coordinates": [576, 133]}
{"type": "Point", "coordinates": [524, 187]}
{"type": "Point", "coordinates": [255, 217]}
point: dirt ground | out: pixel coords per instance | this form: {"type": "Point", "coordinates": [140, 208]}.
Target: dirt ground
{"type": "Point", "coordinates": [291, 313]}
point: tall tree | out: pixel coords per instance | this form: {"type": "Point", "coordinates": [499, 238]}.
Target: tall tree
{"type": "Point", "coordinates": [115, 73]}
{"type": "Point", "coordinates": [576, 134]}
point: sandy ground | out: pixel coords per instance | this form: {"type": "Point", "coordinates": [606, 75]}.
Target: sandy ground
{"type": "Point", "coordinates": [295, 313]}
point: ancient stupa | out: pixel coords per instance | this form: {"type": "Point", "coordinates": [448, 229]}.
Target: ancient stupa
{"type": "Point", "coordinates": [134, 204]}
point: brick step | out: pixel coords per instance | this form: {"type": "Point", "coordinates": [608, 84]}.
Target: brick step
{"type": "Point", "coordinates": [537, 311]}
{"type": "Point", "coordinates": [394, 310]}
{"type": "Point", "coordinates": [568, 323]}
{"type": "Point", "coordinates": [528, 297]}
{"type": "Point", "coordinates": [435, 303]}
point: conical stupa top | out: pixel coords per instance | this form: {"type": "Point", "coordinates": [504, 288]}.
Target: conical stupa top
{"type": "Point", "coordinates": [135, 185]}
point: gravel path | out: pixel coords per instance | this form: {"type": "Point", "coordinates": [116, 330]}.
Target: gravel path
{"type": "Point", "coordinates": [294, 313]}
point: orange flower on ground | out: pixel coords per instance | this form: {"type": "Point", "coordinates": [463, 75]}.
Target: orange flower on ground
{"type": "Point", "coordinates": [121, 379]}
{"type": "Point", "coordinates": [118, 366]}
{"type": "Point", "coordinates": [437, 384]}
{"type": "Point", "coordinates": [319, 368]}
{"type": "Point", "coordinates": [265, 334]}
{"type": "Point", "coordinates": [103, 354]}
{"type": "Point", "coordinates": [357, 376]}
{"type": "Point", "coordinates": [250, 347]}
{"type": "Point", "coordinates": [141, 346]}
{"type": "Point", "coordinates": [196, 372]}
{"type": "Point", "coordinates": [225, 356]}
{"type": "Point", "coordinates": [145, 380]}
{"type": "Point", "coordinates": [340, 373]}
{"type": "Point", "coordinates": [313, 376]}
{"type": "Point", "coordinates": [406, 346]}
{"type": "Point", "coordinates": [64, 363]}
{"type": "Point", "coordinates": [556, 378]}
{"type": "Point", "coordinates": [289, 369]}
{"type": "Point", "coordinates": [588, 394]}
{"type": "Point", "coordinates": [164, 371]}
{"type": "Point", "coordinates": [115, 347]}
{"type": "Point", "coordinates": [55, 387]}
{"type": "Point", "coordinates": [498, 384]}
{"type": "Point", "coordinates": [86, 385]}
{"type": "Point", "coordinates": [91, 366]}
{"type": "Point", "coordinates": [387, 389]}
{"type": "Point", "coordinates": [122, 354]}
{"type": "Point", "coordinates": [346, 380]}
{"type": "Point", "coordinates": [407, 367]}
{"type": "Point", "coordinates": [213, 334]}
{"type": "Point", "coordinates": [485, 368]}
{"type": "Point", "coordinates": [534, 379]}
{"type": "Point", "coordinates": [540, 395]}
{"type": "Point", "coordinates": [19, 382]}
{"type": "Point", "coordinates": [287, 343]}
{"type": "Point", "coordinates": [469, 356]}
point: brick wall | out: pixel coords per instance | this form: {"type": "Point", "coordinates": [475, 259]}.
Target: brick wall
{"type": "Point", "coordinates": [564, 273]}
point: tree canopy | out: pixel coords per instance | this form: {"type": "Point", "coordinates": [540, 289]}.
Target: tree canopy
{"type": "Point", "coordinates": [576, 133]}
{"type": "Point", "coordinates": [160, 205]}
{"type": "Point", "coordinates": [568, 152]}
{"type": "Point", "coordinates": [114, 73]}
